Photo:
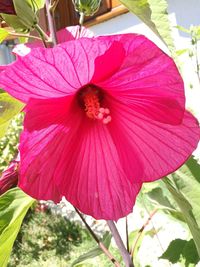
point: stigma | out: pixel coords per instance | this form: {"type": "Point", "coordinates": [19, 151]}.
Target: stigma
{"type": "Point", "coordinates": [90, 98]}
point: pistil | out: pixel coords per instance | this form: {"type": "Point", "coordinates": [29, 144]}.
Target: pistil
{"type": "Point", "coordinates": [91, 100]}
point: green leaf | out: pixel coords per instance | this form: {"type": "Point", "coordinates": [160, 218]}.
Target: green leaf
{"type": "Point", "coordinates": [184, 186]}
{"type": "Point", "coordinates": [154, 14]}
{"type": "Point", "coordinates": [181, 248]}
{"type": "Point", "coordinates": [182, 51]}
{"type": "Point", "coordinates": [3, 34]}
{"type": "Point", "coordinates": [182, 29]}
{"type": "Point", "coordinates": [106, 240]}
{"type": "Point", "coordinates": [9, 107]}
{"type": "Point", "coordinates": [37, 4]}
{"type": "Point", "coordinates": [26, 15]}
{"type": "Point", "coordinates": [3, 128]}
{"type": "Point", "coordinates": [14, 22]}
{"type": "Point", "coordinates": [13, 207]}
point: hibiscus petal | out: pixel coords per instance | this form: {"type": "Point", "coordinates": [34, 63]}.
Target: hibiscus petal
{"type": "Point", "coordinates": [42, 144]}
{"type": "Point", "coordinates": [83, 166]}
{"type": "Point", "coordinates": [147, 81]}
{"type": "Point", "coordinates": [2, 67]}
{"type": "Point", "coordinates": [160, 148]}
{"type": "Point", "coordinates": [103, 66]}
{"type": "Point", "coordinates": [43, 113]}
{"type": "Point", "coordinates": [53, 73]}
{"type": "Point", "coordinates": [98, 185]}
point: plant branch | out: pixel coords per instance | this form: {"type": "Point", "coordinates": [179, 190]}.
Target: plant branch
{"type": "Point", "coordinates": [127, 237]}
{"type": "Point", "coordinates": [133, 248]}
{"type": "Point", "coordinates": [100, 244]}
{"type": "Point", "coordinates": [42, 34]}
{"type": "Point", "coordinates": [24, 35]}
{"type": "Point", "coordinates": [51, 23]}
{"type": "Point", "coordinates": [125, 255]}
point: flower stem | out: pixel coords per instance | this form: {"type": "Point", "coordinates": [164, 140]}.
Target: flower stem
{"type": "Point", "coordinates": [125, 255]}
{"type": "Point", "coordinates": [100, 244]}
{"type": "Point", "coordinates": [51, 22]}
{"type": "Point", "coordinates": [42, 34]}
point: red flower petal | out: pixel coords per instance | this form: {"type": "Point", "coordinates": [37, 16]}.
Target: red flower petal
{"type": "Point", "coordinates": [85, 166]}
{"type": "Point", "coordinates": [53, 73]}
{"type": "Point", "coordinates": [160, 148]}
{"type": "Point", "coordinates": [107, 64]}
{"type": "Point", "coordinates": [148, 81]}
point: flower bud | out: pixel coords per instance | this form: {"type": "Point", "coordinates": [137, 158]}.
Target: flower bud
{"type": "Point", "coordinates": [9, 177]}
{"type": "Point", "coordinates": [87, 7]}
{"type": "Point", "coordinates": [7, 7]}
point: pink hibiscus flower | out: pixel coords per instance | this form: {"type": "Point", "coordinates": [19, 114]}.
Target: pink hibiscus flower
{"type": "Point", "coordinates": [103, 115]}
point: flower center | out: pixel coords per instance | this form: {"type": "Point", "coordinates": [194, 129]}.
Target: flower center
{"type": "Point", "coordinates": [90, 99]}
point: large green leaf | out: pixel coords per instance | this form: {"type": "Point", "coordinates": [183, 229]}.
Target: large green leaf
{"type": "Point", "coordinates": [13, 21]}
{"type": "Point", "coordinates": [154, 14]}
{"type": "Point", "coordinates": [164, 201]}
{"type": "Point", "coordinates": [26, 15]}
{"type": "Point", "coordinates": [13, 207]}
{"type": "Point", "coordinates": [184, 185]}
{"type": "Point", "coordinates": [9, 107]}
{"type": "Point", "coordinates": [95, 251]}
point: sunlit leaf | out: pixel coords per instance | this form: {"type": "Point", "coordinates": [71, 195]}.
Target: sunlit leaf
{"type": "Point", "coordinates": [15, 23]}
{"type": "Point", "coordinates": [182, 29]}
{"type": "Point", "coordinates": [36, 4]}
{"type": "Point", "coordinates": [154, 14]}
{"type": "Point", "coordinates": [13, 207]}
{"type": "Point", "coordinates": [3, 128]}
{"type": "Point", "coordinates": [3, 34]}
{"type": "Point", "coordinates": [9, 107]}
{"type": "Point", "coordinates": [184, 186]}
{"type": "Point", "coordinates": [26, 15]}
{"type": "Point", "coordinates": [182, 51]}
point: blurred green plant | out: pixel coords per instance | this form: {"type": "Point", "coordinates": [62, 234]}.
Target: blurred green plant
{"type": "Point", "coordinates": [51, 240]}
{"type": "Point", "coordinates": [9, 143]}
{"type": "Point", "coordinates": [193, 51]}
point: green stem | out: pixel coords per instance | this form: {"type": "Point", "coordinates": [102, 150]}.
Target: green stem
{"type": "Point", "coordinates": [43, 35]}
